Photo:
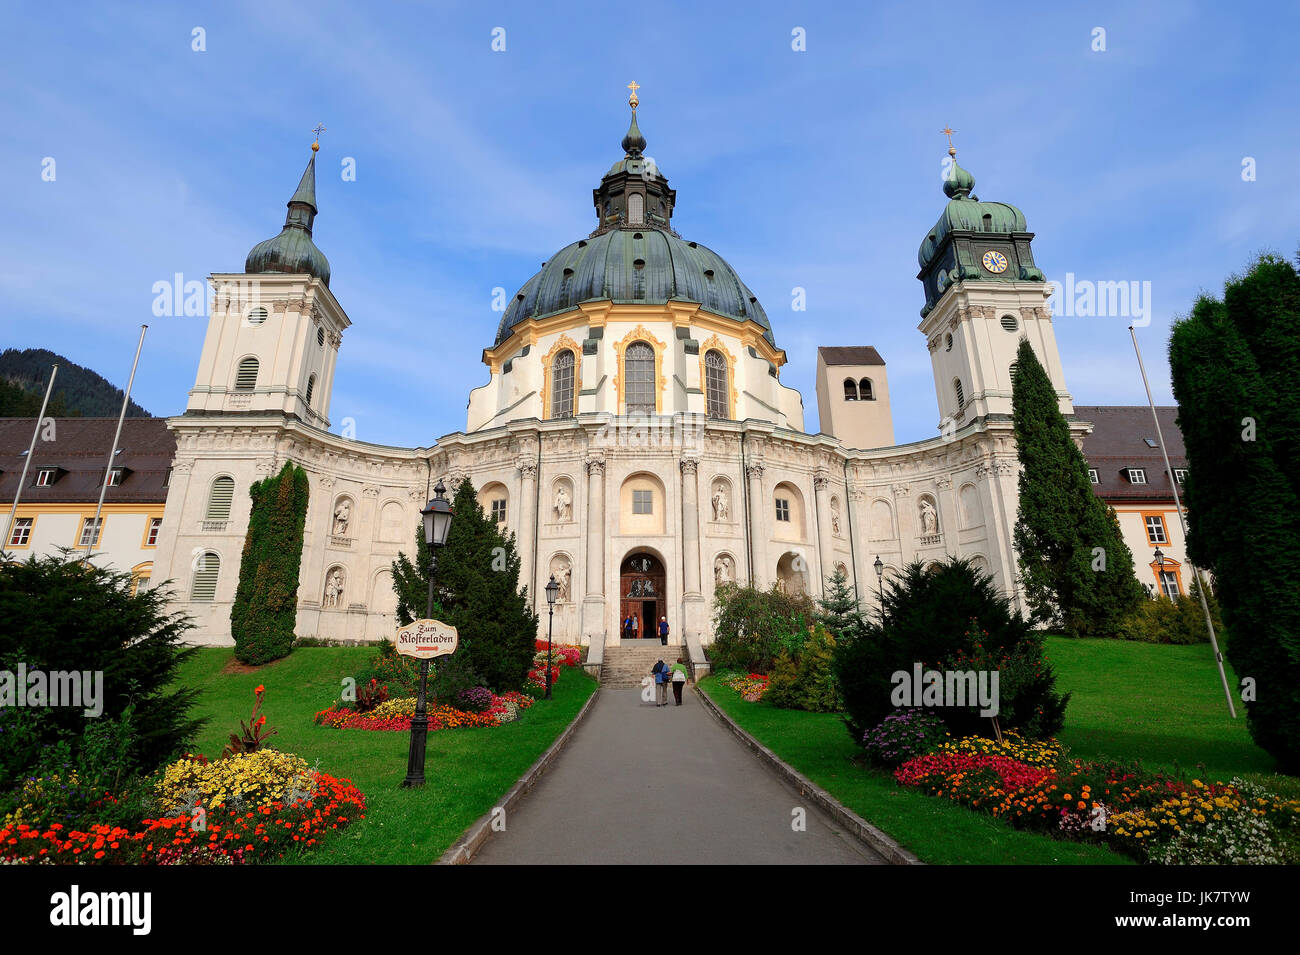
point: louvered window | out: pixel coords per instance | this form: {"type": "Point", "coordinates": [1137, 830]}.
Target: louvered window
{"type": "Point", "coordinates": [219, 498]}
{"type": "Point", "coordinates": [311, 387]}
{"type": "Point", "coordinates": [246, 378]}
{"type": "Point", "coordinates": [960, 393]}
{"type": "Point", "coordinates": [639, 368]}
{"type": "Point", "coordinates": [562, 385]}
{"type": "Point", "coordinates": [715, 384]}
{"type": "Point", "coordinates": [206, 572]}
{"type": "Point", "coordinates": [864, 388]}
{"type": "Point", "coordinates": [850, 390]}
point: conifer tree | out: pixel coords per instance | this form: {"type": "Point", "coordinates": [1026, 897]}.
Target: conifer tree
{"type": "Point", "coordinates": [1236, 376]}
{"type": "Point", "coordinates": [265, 610]}
{"type": "Point", "coordinates": [476, 590]}
{"type": "Point", "coordinates": [1075, 567]}
{"type": "Point", "coordinates": [839, 610]}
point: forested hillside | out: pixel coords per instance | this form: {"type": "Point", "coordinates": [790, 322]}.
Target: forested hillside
{"type": "Point", "coordinates": [78, 391]}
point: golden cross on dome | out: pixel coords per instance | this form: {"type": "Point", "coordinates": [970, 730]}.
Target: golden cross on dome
{"type": "Point", "coordinates": [632, 100]}
{"type": "Point", "coordinates": [948, 131]}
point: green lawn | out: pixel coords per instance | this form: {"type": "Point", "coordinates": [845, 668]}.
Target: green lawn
{"type": "Point", "coordinates": [1162, 705]}
{"type": "Point", "coordinates": [467, 770]}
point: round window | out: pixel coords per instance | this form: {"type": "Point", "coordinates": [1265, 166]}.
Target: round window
{"type": "Point", "coordinates": [257, 316]}
{"type": "Point", "coordinates": [1009, 323]}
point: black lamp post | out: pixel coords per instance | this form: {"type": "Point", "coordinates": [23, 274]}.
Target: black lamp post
{"type": "Point", "coordinates": [437, 522]}
{"type": "Point", "coordinates": [880, 581]}
{"type": "Point", "coordinates": [552, 591]}
{"type": "Point", "coordinates": [1160, 572]}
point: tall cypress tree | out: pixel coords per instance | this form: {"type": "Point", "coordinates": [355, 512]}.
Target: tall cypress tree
{"type": "Point", "coordinates": [1236, 376]}
{"type": "Point", "coordinates": [1076, 569]}
{"type": "Point", "coordinates": [477, 591]}
{"type": "Point", "coordinates": [265, 610]}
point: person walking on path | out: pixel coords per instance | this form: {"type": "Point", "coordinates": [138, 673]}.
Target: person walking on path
{"type": "Point", "coordinates": [663, 630]}
{"type": "Point", "coordinates": [627, 627]}
{"type": "Point", "coordinates": [662, 676]}
{"type": "Point", "coordinates": [678, 677]}
{"type": "Point", "coordinates": [636, 627]}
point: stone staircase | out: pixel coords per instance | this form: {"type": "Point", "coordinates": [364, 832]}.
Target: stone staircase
{"type": "Point", "coordinates": [627, 665]}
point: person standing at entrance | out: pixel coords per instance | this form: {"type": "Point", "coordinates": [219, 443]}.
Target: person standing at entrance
{"type": "Point", "coordinates": [636, 627]}
{"type": "Point", "coordinates": [627, 627]}
{"type": "Point", "coordinates": [678, 677]}
{"type": "Point", "coordinates": [663, 630]}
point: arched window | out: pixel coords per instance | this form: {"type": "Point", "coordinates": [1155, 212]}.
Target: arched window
{"type": "Point", "coordinates": [635, 207]}
{"type": "Point", "coordinates": [311, 387]}
{"type": "Point", "coordinates": [562, 385]}
{"type": "Point", "coordinates": [850, 390]}
{"type": "Point", "coordinates": [207, 569]}
{"type": "Point", "coordinates": [219, 498]}
{"type": "Point", "coordinates": [960, 394]}
{"type": "Point", "coordinates": [715, 384]}
{"type": "Point", "coordinates": [246, 376]}
{"type": "Point", "coordinates": [639, 374]}
{"type": "Point", "coordinates": [864, 390]}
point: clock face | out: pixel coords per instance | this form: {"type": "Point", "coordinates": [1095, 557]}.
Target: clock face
{"type": "Point", "coordinates": [995, 262]}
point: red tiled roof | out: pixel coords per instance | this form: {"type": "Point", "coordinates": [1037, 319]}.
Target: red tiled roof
{"type": "Point", "coordinates": [80, 447]}
{"type": "Point", "coordinates": [1118, 442]}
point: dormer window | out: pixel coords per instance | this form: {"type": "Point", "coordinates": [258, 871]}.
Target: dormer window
{"type": "Point", "coordinates": [116, 476]}
{"type": "Point", "coordinates": [1180, 475]}
{"type": "Point", "coordinates": [46, 477]}
{"type": "Point", "coordinates": [1093, 476]}
{"type": "Point", "coordinates": [1151, 442]}
{"type": "Point", "coordinates": [1137, 476]}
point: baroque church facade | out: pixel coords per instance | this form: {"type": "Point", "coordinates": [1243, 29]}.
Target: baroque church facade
{"type": "Point", "coordinates": [634, 433]}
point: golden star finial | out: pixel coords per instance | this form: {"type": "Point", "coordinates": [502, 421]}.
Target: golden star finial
{"type": "Point", "coordinates": [948, 131]}
{"type": "Point", "coordinates": [632, 100]}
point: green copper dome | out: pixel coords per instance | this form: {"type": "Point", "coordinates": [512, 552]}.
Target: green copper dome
{"type": "Point", "coordinates": [639, 266]}
{"type": "Point", "coordinates": [293, 251]}
{"type": "Point", "coordinates": [965, 212]}
{"type": "Point", "coordinates": [634, 257]}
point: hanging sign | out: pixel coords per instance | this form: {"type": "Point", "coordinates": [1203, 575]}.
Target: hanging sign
{"type": "Point", "coordinates": [426, 639]}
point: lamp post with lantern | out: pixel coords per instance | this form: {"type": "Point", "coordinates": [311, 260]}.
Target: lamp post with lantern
{"type": "Point", "coordinates": [437, 522]}
{"type": "Point", "coordinates": [552, 591]}
{"type": "Point", "coordinates": [880, 583]}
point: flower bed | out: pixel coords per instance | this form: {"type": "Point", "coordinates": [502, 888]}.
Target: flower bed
{"type": "Point", "coordinates": [212, 836]}
{"type": "Point", "coordinates": [396, 714]}
{"type": "Point", "coordinates": [750, 688]}
{"type": "Point", "coordinates": [1151, 817]}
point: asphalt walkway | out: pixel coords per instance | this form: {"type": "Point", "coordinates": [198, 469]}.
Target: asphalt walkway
{"type": "Point", "coordinates": [642, 784]}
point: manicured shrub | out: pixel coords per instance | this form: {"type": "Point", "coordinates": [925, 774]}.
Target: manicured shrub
{"type": "Point", "coordinates": [927, 619]}
{"type": "Point", "coordinates": [66, 615]}
{"type": "Point", "coordinates": [265, 610]}
{"type": "Point", "coordinates": [1234, 364]}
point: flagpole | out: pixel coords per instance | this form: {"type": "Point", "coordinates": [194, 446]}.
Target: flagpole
{"type": "Point", "coordinates": [27, 460]}
{"type": "Point", "coordinates": [1205, 606]}
{"type": "Point", "coordinates": [112, 452]}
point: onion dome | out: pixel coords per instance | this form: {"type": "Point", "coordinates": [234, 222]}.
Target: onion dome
{"type": "Point", "coordinates": [293, 251]}
{"type": "Point", "coordinates": [634, 256]}
{"type": "Point", "coordinates": [967, 229]}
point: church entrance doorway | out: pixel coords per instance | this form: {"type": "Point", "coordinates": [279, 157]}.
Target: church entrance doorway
{"type": "Point", "coordinates": [642, 594]}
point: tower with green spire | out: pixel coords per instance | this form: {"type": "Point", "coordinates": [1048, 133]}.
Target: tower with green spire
{"type": "Point", "coordinates": [275, 329]}
{"type": "Point", "coordinates": [983, 293]}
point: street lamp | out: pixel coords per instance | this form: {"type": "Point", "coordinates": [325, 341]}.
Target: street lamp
{"type": "Point", "coordinates": [437, 522]}
{"type": "Point", "coordinates": [1160, 572]}
{"type": "Point", "coordinates": [552, 591]}
{"type": "Point", "coordinates": [880, 581]}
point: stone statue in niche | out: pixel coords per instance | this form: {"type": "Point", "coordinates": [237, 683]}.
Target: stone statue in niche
{"type": "Point", "coordinates": [563, 505]}
{"type": "Point", "coordinates": [721, 510]}
{"type": "Point", "coordinates": [835, 516]}
{"type": "Point", "coordinates": [929, 518]}
{"type": "Point", "coordinates": [334, 589]}
{"type": "Point", "coordinates": [722, 569]}
{"type": "Point", "coordinates": [342, 518]}
{"type": "Point", "coordinates": [562, 570]}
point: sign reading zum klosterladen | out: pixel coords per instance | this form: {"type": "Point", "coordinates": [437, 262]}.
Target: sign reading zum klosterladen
{"type": "Point", "coordinates": [426, 639]}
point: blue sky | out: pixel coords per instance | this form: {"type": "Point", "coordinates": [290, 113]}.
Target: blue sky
{"type": "Point", "coordinates": [817, 169]}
